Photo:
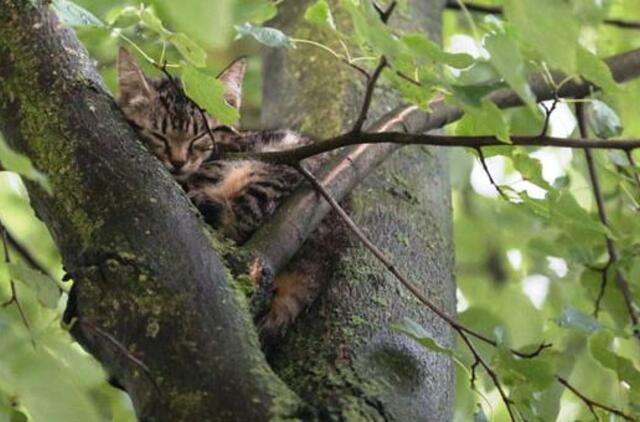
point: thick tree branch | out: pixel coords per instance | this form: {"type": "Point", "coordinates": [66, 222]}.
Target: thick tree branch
{"type": "Point", "coordinates": [497, 10]}
{"type": "Point", "coordinates": [145, 270]}
{"type": "Point", "coordinates": [276, 242]}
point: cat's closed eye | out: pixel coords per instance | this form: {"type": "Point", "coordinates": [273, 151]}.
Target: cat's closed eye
{"type": "Point", "coordinates": [172, 126]}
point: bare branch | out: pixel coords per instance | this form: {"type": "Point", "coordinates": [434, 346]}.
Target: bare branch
{"type": "Point", "coordinates": [621, 281]}
{"type": "Point", "coordinates": [476, 142]}
{"type": "Point", "coordinates": [497, 10]}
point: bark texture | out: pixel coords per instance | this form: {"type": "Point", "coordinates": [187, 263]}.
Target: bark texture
{"type": "Point", "coordinates": [151, 300]}
{"type": "Point", "coordinates": [341, 356]}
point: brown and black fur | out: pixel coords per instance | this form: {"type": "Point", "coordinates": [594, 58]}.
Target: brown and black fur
{"type": "Point", "coordinates": [235, 197]}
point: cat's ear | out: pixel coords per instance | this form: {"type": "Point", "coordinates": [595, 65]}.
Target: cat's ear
{"type": "Point", "coordinates": [232, 78]}
{"type": "Point", "coordinates": [135, 88]}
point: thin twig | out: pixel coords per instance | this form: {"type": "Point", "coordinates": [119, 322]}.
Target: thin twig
{"type": "Point", "coordinates": [497, 10]}
{"type": "Point", "coordinates": [547, 118]}
{"type": "Point", "coordinates": [492, 374]}
{"type": "Point", "coordinates": [591, 404]}
{"type": "Point", "coordinates": [483, 162]}
{"type": "Point", "coordinates": [14, 294]}
{"type": "Point", "coordinates": [621, 281]}
{"type": "Point", "coordinates": [368, 95]}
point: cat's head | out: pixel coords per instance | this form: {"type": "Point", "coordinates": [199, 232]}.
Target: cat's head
{"type": "Point", "coordinates": [170, 124]}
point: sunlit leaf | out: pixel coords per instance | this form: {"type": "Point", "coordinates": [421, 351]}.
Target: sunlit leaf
{"type": "Point", "coordinates": [550, 27]}
{"type": "Point", "coordinates": [208, 92]}
{"type": "Point", "coordinates": [270, 37]}
{"type": "Point", "coordinates": [596, 70]}
{"type": "Point", "coordinates": [21, 164]}
{"type": "Point", "coordinates": [420, 46]}
{"type": "Point", "coordinates": [45, 287]}
{"type": "Point", "coordinates": [509, 62]}
{"type": "Point", "coordinates": [319, 13]}
{"type": "Point", "coordinates": [189, 49]}
{"type": "Point", "coordinates": [149, 18]}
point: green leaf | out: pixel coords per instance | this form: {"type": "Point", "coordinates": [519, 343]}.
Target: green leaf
{"type": "Point", "coordinates": [419, 334]}
{"type": "Point", "coordinates": [508, 61]}
{"type": "Point", "coordinates": [370, 29]}
{"type": "Point", "coordinates": [18, 416]}
{"type": "Point", "coordinates": [149, 18]}
{"type": "Point", "coordinates": [421, 47]}
{"type": "Point", "coordinates": [189, 49]}
{"type": "Point", "coordinates": [319, 13]}
{"type": "Point", "coordinates": [487, 119]}
{"type": "Point", "coordinates": [123, 15]}
{"type": "Point", "coordinates": [600, 347]}
{"type": "Point", "coordinates": [208, 92]}
{"type": "Point", "coordinates": [18, 163]}
{"type": "Point", "coordinates": [530, 168]}
{"type": "Point", "coordinates": [572, 318]}
{"type": "Point", "coordinates": [596, 70]}
{"type": "Point", "coordinates": [74, 15]}
{"type": "Point", "coordinates": [254, 11]}
{"type": "Point", "coordinates": [548, 26]}
{"type": "Point", "coordinates": [474, 94]}
{"type": "Point", "coordinates": [44, 286]}
{"type": "Point", "coordinates": [270, 37]}
{"type": "Point", "coordinates": [535, 373]}
{"type": "Point", "coordinates": [603, 120]}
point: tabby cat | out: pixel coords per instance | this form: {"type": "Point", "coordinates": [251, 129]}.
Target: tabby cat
{"type": "Point", "coordinates": [233, 196]}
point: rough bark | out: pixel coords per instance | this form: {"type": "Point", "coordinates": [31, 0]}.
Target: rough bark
{"type": "Point", "coordinates": [151, 299]}
{"type": "Point", "coordinates": [342, 356]}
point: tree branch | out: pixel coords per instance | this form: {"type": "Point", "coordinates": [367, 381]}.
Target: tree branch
{"type": "Point", "coordinates": [591, 404]}
{"type": "Point", "coordinates": [296, 154]}
{"type": "Point", "coordinates": [497, 10]}
{"type": "Point", "coordinates": [621, 281]}
{"type": "Point", "coordinates": [276, 242]}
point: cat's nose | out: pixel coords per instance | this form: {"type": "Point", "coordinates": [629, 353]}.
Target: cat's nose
{"type": "Point", "coordinates": [178, 164]}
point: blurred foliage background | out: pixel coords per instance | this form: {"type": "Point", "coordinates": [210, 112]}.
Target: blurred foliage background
{"type": "Point", "coordinates": [527, 269]}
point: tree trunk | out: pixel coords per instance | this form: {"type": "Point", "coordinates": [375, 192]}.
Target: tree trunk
{"type": "Point", "coordinates": [341, 355]}
{"type": "Point", "coordinates": [151, 299]}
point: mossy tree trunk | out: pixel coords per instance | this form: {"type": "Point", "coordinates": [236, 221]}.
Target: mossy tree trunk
{"type": "Point", "coordinates": [153, 301]}
{"type": "Point", "coordinates": [342, 355]}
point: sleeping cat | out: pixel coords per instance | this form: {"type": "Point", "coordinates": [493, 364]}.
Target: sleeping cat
{"type": "Point", "coordinates": [235, 197]}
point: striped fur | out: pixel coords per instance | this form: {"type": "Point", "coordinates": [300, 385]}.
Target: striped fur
{"type": "Point", "coordinates": [235, 197]}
